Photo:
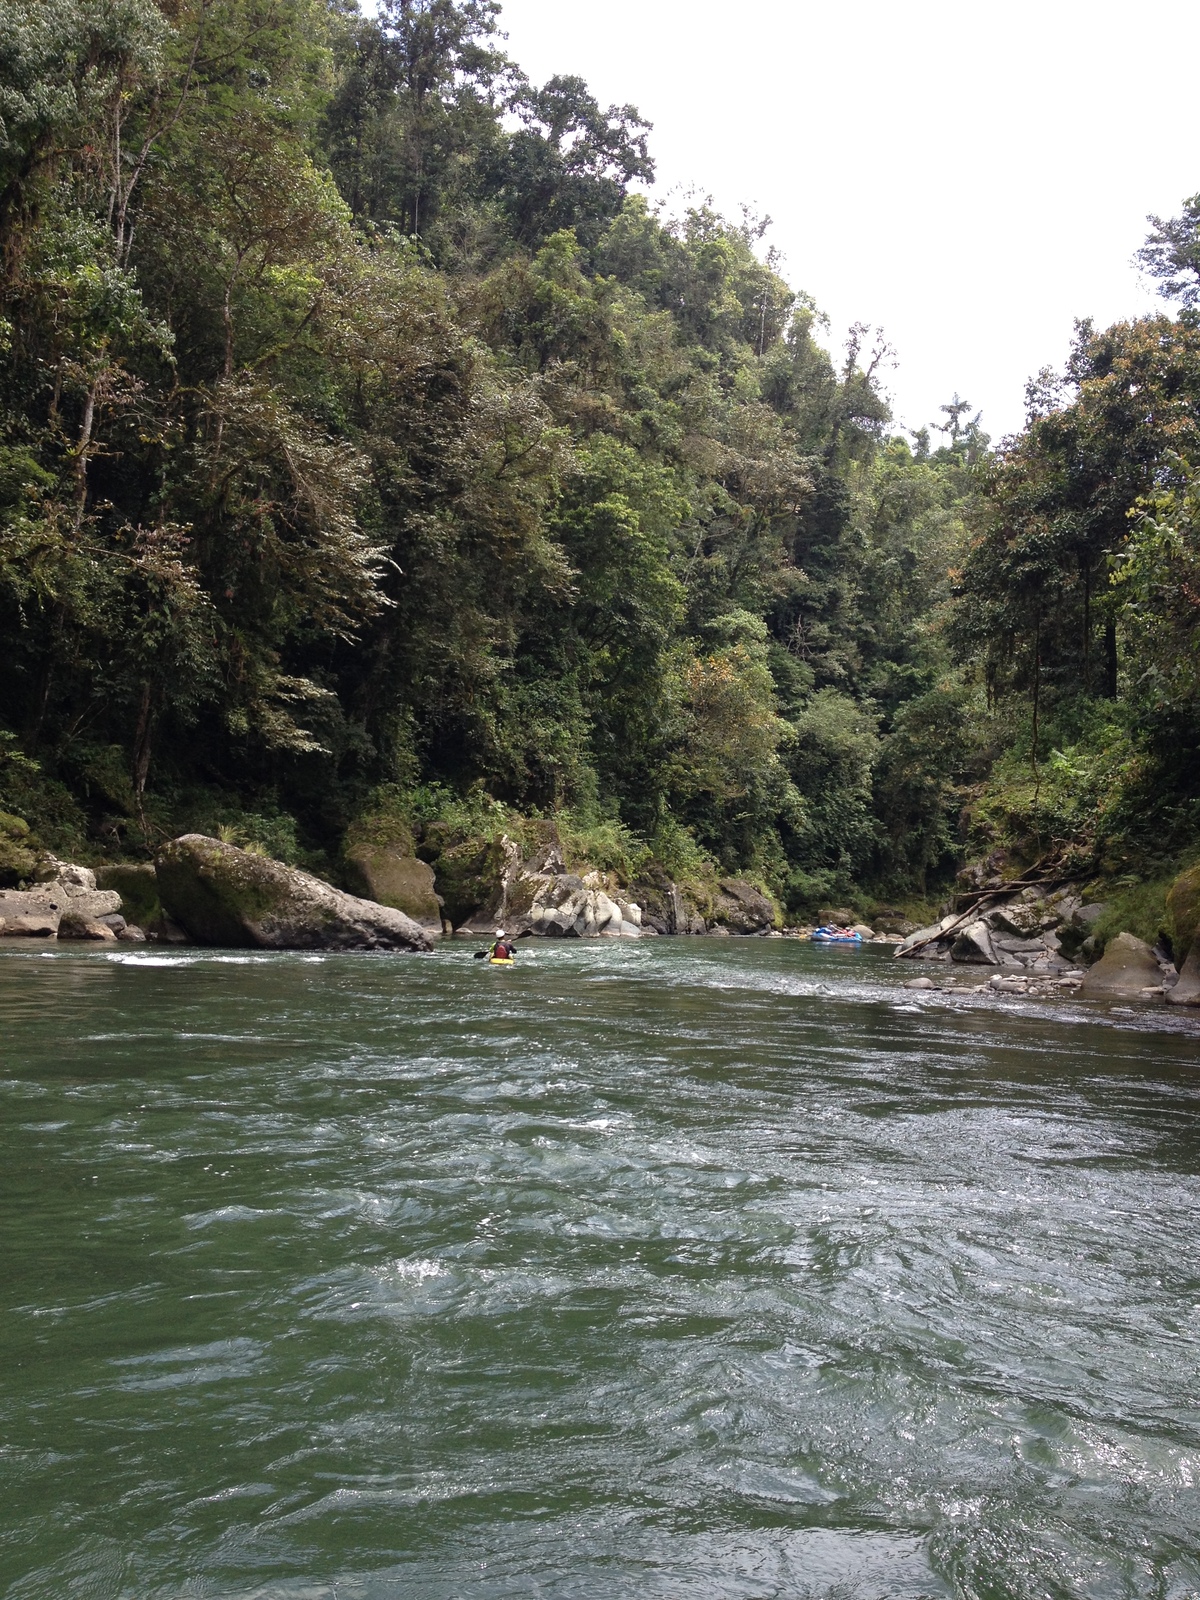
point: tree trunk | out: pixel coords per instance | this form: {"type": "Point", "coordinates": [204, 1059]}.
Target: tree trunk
{"type": "Point", "coordinates": [1110, 661]}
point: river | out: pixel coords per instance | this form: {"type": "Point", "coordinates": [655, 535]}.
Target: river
{"type": "Point", "coordinates": [670, 1268]}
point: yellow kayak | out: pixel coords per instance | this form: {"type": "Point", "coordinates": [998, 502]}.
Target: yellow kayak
{"type": "Point", "coordinates": [501, 961]}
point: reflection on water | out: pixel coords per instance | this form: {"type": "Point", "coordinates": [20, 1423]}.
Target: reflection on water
{"type": "Point", "coordinates": [676, 1268]}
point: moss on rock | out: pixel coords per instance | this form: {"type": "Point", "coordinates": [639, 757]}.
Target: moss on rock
{"type": "Point", "coordinates": [225, 896]}
{"type": "Point", "coordinates": [1183, 912]}
{"type": "Point", "coordinates": [394, 878]}
{"type": "Point", "coordinates": [18, 850]}
{"type": "Point", "coordinates": [137, 884]}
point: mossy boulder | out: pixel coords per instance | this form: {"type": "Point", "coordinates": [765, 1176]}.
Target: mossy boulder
{"type": "Point", "coordinates": [394, 878]}
{"type": "Point", "coordinates": [470, 872]}
{"type": "Point", "coordinates": [1187, 991]}
{"type": "Point", "coordinates": [1123, 971]}
{"type": "Point", "coordinates": [137, 884]}
{"type": "Point", "coordinates": [221, 895]}
{"type": "Point", "coordinates": [18, 852]}
{"type": "Point", "coordinates": [741, 908]}
{"type": "Point", "coordinates": [1183, 913]}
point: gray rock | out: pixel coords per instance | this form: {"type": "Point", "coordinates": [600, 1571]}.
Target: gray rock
{"type": "Point", "coordinates": [974, 945]}
{"type": "Point", "coordinates": [132, 934]}
{"type": "Point", "coordinates": [30, 914]}
{"type": "Point", "coordinates": [1186, 990]}
{"type": "Point", "coordinates": [1016, 946]}
{"type": "Point", "coordinates": [74, 925]}
{"type": "Point", "coordinates": [835, 916]}
{"type": "Point", "coordinates": [925, 936]}
{"type": "Point", "coordinates": [1016, 920]}
{"type": "Point", "coordinates": [221, 895]}
{"type": "Point", "coordinates": [71, 878]}
{"type": "Point", "coordinates": [1009, 985]}
{"type": "Point", "coordinates": [1124, 970]}
{"type": "Point", "coordinates": [920, 983]}
{"type": "Point", "coordinates": [1088, 916]}
{"type": "Point", "coordinates": [742, 908]}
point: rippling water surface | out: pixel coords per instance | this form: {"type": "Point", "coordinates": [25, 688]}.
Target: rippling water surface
{"type": "Point", "coordinates": [679, 1268]}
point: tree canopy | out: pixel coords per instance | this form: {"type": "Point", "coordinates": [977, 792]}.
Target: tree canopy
{"type": "Point", "coordinates": [366, 426]}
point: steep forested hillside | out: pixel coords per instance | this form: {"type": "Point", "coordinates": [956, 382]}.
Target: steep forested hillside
{"type": "Point", "coordinates": [371, 447]}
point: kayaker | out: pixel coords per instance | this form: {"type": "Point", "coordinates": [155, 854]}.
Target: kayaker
{"type": "Point", "coordinates": [501, 950]}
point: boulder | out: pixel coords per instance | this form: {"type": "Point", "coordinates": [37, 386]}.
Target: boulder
{"type": "Point", "coordinates": [18, 855]}
{"type": "Point", "coordinates": [1123, 971]}
{"type": "Point", "coordinates": [1186, 990]}
{"type": "Point", "coordinates": [1017, 920]}
{"type": "Point", "coordinates": [74, 925]}
{"type": "Point", "coordinates": [29, 914]}
{"type": "Point", "coordinates": [137, 885]}
{"type": "Point", "coordinates": [974, 944]}
{"type": "Point", "coordinates": [920, 983]}
{"type": "Point", "coordinates": [392, 878]}
{"type": "Point", "coordinates": [926, 938]}
{"type": "Point", "coordinates": [741, 908]}
{"type": "Point", "coordinates": [132, 934]}
{"type": "Point", "coordinates": [1009, 985]}
{"type": "Point", "coordinates": [1183, 912]}
{"type": "Point", "coordinates": [75, 887]}
{"type": "Point", "coordinates": [1023, 949]}
{"type": "Point", "coordinates": [471, 874]}
{"type": "Point", "coordinates": [835, 916]}
{"type": "Point", "coordinates": [225, 896]}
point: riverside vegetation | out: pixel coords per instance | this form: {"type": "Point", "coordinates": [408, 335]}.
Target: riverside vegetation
{"type": "Point", "coordinates": [381, 474]}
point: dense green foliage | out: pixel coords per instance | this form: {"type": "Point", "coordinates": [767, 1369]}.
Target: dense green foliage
{"type": "Point", "coordinates": [366, 432]}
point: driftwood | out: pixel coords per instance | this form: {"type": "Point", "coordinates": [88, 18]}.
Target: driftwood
{"type": "Point", "coordinates": [1014, 886]}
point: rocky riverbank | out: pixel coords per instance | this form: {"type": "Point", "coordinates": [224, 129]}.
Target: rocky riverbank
{"type": "Point", "coordinates": [1041, 940]}
{"type": "Point", "coordinates": [1044, 941]}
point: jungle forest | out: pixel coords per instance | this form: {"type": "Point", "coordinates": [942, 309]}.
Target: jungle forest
{"type": "Point", "coordinates": [374, 453]}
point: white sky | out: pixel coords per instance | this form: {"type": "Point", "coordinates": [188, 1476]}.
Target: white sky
{"type": "Point", "coordinates": [970, 178]}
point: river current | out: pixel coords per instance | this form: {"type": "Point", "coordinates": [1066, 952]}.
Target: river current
{"type": "Point", "coordinates": [671, 1268]}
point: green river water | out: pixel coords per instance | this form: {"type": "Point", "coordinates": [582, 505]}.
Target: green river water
{"type": "Point", "coordinates": [705, 1268]}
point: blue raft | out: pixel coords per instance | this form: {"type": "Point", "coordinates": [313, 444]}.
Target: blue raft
{"type": "Point", "coordinates": [835, 936]}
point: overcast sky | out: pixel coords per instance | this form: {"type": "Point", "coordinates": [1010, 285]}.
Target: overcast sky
{"type": "Point", "coordinates": [971, 178]}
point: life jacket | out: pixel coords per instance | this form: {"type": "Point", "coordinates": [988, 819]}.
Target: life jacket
{"type": "Point", "coordinates": [501, 951]}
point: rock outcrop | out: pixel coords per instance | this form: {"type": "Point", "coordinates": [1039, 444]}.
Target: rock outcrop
{"type": "Point", "coordinates": [1029, 931]}
{"type": "Point", "coordinates": [67, 905]}
{"type": "Point", "coordinates": [1127, 968]}
{"type": "Point", "coordinates": [394, 878]}
{"type": "Point", "coordinates": [221, 895]}
{"type": "Point", "coordinates": [539, 896]}
{"type": "Point", "coordinates": [665, 908]}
